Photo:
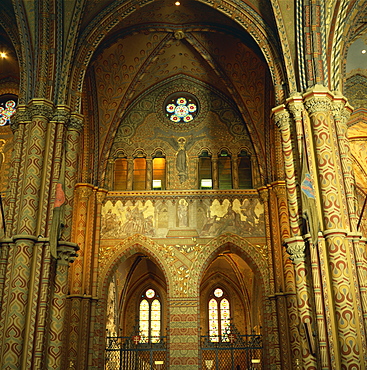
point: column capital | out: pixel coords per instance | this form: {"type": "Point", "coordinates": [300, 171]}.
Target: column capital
{"type": "Point", "coordinates": [281, 117]}
{"type": "Point", "coordinates": [66, 252]}
{"type": "Point", "coordinates": [318, 99]}
{"type": "Point", "coordinates": [61, 114]}
{"type": "Point", "coordinates": [295, 106]}
{"type": "Point", "coordinates": [101, 195]}
{"type": "Point", "coordinates": [296, 249]}
{"type": "Point", "coordinates": [41, 108]}
{"type": "Point", "coordinates": [76, 122]}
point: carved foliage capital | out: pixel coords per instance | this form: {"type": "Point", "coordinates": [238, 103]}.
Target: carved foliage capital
{"type": "Point", "coordinates": [296, 250]}
{"type": "Point", "coordinates": [282, 119]}
{"type": "Point", "coordinates": [318, 104]}
{"type": "Point", "coordinates": [66, 254]}
{"type": "Point", "coordinates": [296, 108]}
{"type": "Point", "coordinates": [41, 110]}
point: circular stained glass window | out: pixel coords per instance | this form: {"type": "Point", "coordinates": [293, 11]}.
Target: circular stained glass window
{"type": "Point", "coordinates": [150, 293]}
{"type": "Point", "coordinates": [7, 110]}
{"type": "Point", "coordinates": [181, 107]}
{"type": "Point", "coordinates": [218, 292]}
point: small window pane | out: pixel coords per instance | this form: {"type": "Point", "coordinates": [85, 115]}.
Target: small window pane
{"type": "Point", "coordinates": [120, 174]}
{"type": "Point", "coordinates": [155, 321]}
{"type": "Point", "coordinates": [144, 321]}
{"type": "Point", "coordinates": [224, 316]}
{"type": "Point", "coordinates": [159, 173]}
{"type": "Point", "coordinates": [225, 172]}
{"type": "Point", "coordinates": [213, 321]}
{"type": "Point", "coordinates": [140, 170]}
{"type": "Point", "coordinates": [205, 172]}
{"type": "Point", "coordinates": [244, 172]}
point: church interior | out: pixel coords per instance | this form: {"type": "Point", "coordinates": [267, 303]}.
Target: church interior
{"type": "Point", "coordinates": [183, 184]}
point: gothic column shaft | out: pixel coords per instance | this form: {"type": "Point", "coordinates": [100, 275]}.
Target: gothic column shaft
{"type": "Point", "coordinates": [55, 353]}
{"type": "Point", "coordinates": [340, 115]}
{"type": "Point", "coordinates": [274, 349]}
{"type": "Point", "coordinates": [80, 297]}
{"type": "Point", "coordinates": [319, 308]}
{"type": "Point", "coordinates": [289, 285]}
{"type": "Point", "coordinates": [361, 266]}
{"type": "Point", "coordinates": [318, 104]}
{"type": "Point", "coordinates": [296, 249]}
{"type": "Point", "coordinates": [282, 119]}
{"type": "Point", "coordinates": [72, 140]}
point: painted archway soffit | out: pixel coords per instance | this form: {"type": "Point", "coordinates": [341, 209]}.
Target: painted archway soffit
{"type": "Point", "coordinates": [101, 26]}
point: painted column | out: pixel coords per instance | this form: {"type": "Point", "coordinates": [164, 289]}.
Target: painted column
{"type": "Point", "coordinates": [215, 175]}
{"type": "Point", "coordinates": [287, 290]}
{"type": "Point", "coordinates": [37, 161]}
{"type": "Point", "coordinates": [296, 107]}
{"type": "Point", "coordinates": [296, 249]}
{"type": "Point", "coordinates": [351, 339]}
{"type": "Point", "coordinates": [66, 253]}
{"type": "Point", "coordinates": [149, 172]}
{"type": "Point", "coordinates": [271, 307]}
{"type": "Point", "coordinates": [80, 281]}
{"type": "Point", "coordinates": [130, 173]}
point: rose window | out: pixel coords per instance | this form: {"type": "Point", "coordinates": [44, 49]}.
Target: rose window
{"type": "Point", "coordinates": [7, 110]}
{"type": "Point", "coordinates": [181, 109]}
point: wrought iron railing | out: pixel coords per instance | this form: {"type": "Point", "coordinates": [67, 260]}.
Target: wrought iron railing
{"type": "Point", "coordinates": [132, 353]}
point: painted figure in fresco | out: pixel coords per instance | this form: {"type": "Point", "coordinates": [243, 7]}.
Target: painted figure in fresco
{"type": "Point", "coordinates": [109, 222]}
{"type": "Point", "coordinates": [182, 145]}
{"type": "Point", "coordinates": [182, 213]}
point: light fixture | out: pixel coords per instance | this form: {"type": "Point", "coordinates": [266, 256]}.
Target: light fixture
{"type": "Point", "coordinates": [364, 51]}
{"type": "Point", "coordinates": [3, 55]}
{"type": "Point", "coordinates": [177, 3]}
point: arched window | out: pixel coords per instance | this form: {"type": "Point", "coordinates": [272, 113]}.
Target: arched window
{"type": "Point", "coordinates": [219, 316]}
{"type": "Point", "coordinates": [120, 174]}
{"type": "Point", "coordinates": [224, 170]}
{"type": "Point", "coordinates": [205, 171]}
{"type": "Point", "coordinates": [159, 172]}
{"type": "Point", "coordinates": [140, 173]}
{"type": "Point", "coordinates": [150, 317]}
{"type": "Point", "coordinates": [244, 171]}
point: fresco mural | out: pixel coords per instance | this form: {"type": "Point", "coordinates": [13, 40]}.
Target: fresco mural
{"type": "Point", "coordinates": [206, 218]}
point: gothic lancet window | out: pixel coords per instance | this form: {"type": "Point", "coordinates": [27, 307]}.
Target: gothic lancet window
{"type": "Point", "coordinates": [224, 170]}
{"type": "Point", "coordinates": [159, 172]}
{"type": "Point", "coordinates": [120, 174]}
{"type": "Point", "coordinates": [150, 310]}
{"type": "Point", "coordinates": [219, 316]}
{"type": "Point", "coordinates": [140, 172]}
{"type": "Point", "coordinates": [205, 171]}
{"type": "Point", "coordinates": [244, 170]}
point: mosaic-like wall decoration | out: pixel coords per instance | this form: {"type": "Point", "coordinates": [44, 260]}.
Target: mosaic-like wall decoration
{"type": "Point", "coordinates": [174, 218]}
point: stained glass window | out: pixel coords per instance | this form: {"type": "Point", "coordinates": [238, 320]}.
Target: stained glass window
{"type": "Point", "coordinates": [219, 317]}
{"type": "Point", "coordinates": [150, 317]}
{"type": "Point", "coordinates": [7, 110]}
{"type": "Point", "coordinates": [181, 107]}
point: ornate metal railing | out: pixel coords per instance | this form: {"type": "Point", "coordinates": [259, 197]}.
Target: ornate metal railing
{"type": "Point", "coordinates": [231, 352]}
{"type": "Point", "coordinates": [128, 353]}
